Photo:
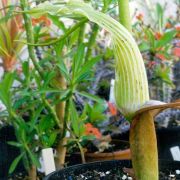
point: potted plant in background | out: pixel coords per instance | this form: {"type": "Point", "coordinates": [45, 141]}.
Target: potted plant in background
{"type": "Point", "coordinates": [156, 44]}
{"type": "Point", "coordinates": [98, 146]}
{"type": "Point", "coordinates": [37, 105]}
{"type": "Point", "coordinates": [11, 30]}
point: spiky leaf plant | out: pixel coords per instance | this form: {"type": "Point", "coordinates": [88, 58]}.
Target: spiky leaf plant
{"type": "Point", "coordinates": [131, 86]}
{"type": "Point", "coordinates": [10, 31]}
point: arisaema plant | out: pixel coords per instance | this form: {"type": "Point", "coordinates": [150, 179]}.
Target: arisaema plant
{"type": "Point", "coordinates": [131, 86]}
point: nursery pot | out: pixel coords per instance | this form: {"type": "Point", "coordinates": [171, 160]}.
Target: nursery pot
{"type": "Point", "coordinates": [75, 158]}
{"type": "Point", "coordinates": [168, 138]}
{"type": "Point", "coordinates": [8, 152]}
{"type": "Point", "coordinates": [109, 170]}
{"type": "Point", "coordinates": [120, 151]}
{"type": "Point", "coordinates": [116, 155]}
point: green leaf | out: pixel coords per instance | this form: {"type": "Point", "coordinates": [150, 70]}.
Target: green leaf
{"type": "Point", "coordinates": [88, 138]}
{"type": "Point", "coordinates": [64, 70]}
{"type": "Point", "coordinates": [25, 68]}
{"type": "Point", "coordinates": [65, 95]}
{"type": "Point", "coordinates": [52, 138]}
{"type": "Point", "coordinates": [90, 96]}
{"type": "Point", "coordinates": [73, 37]}
{"type": "Point", "coordinates": [46, 123]}
{"type": "Point", "coordinates": [144, 46]}
{"type": "Point", "coordinates": [9, 14]}
{"type": "Point", "coordinates": [15, 163]}
{"type": "Point", "coordinates": [56, 21]}
{"type": "Point", "coordinates": [37, 35]}
{"type": "Point", "coordinates": [86, 68]}
{"type": "Point", "coordinates": [16, 144]}
{"type": "Point", "coordinates": [160, 15]}
{"type": "Point", "coordinates": [78, 59]}
{"type": "Point", "coordinates": [164, 74]}
{"type": "Point", "coordinates": [150, 36]}
{"type": "Point", "coordinates": [106, 3]}
{"type": "Point", "coordinates": [33, 158]}
{"type": "Point", "coordinates": [48, 77]}
{"type": "Point", "coordinates": [74, 118]}
{"type": "Point", "coordinates": [42, 91]}
{"type": "Point", "coordinates": [5, 89]}
{"type": "Point", "coordinates": [167, 38]}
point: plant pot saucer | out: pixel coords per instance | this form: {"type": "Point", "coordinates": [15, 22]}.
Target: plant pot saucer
{"type": "Point", "coordinates": [116, 155]}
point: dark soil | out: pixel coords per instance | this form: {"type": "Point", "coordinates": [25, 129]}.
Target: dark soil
{"type": "Point", "coordinates": [114, 174]}
{"type": "Point", "coordinates": [112, 170]}
{"type": "Point", "coordinates": [117, 174]}
{"type": "Point", "coordinates": [23, 176]}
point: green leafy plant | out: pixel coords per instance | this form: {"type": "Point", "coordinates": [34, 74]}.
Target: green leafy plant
{"type": "Point", "coordinates": [156, 45]}
{"type": "Point", "coordinates": [10, 32]}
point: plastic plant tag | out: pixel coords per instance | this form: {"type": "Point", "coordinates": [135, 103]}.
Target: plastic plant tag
{"type": "Point", "coordinates": [111, 95]}
{"type": "Point", "coordinates": [175, 151]}
{"type": "Point", "coordinates": [68, 134]}
{"type": "Point", "coordinates": [48, 160]}
{"type": "Point", "coordinates": [41, 169]}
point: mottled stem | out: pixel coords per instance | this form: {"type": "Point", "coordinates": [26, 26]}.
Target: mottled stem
{"type": "Point", "coordinates": [143, 145]}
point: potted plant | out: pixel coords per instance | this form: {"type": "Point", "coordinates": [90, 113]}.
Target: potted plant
{"type": "Point", "coordinates": [57, 86]}
{"type": "Point", "coordinates": [99, 146]}
{"type": "Point", "coordinates": [131, 88]}
{"type": "Point", "coordinates": [39, 107]}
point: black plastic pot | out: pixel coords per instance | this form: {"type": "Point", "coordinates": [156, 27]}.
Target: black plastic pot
{"type": "Point", "coordinates": [8, 152]}
{"type": "Point", "coordinates": [104, 166]}
{"type": "Point", "coordinates": [166, 139]}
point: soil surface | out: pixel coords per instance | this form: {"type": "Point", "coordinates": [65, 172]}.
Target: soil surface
{"type": "Point", "coordinates": [113, 170]}
{"type": "Point", "coordinates": [114, 174]}
{"type": "Point", "coordinates": [118, 174]}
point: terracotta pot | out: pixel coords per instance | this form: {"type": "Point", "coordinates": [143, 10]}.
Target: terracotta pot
{"type": "Point", "coordinates": [117, 155]}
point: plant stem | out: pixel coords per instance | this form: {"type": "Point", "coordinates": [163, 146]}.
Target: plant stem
{"type": "Point", "coordinates": [92, 41]}
{"type": "Point", "coordinates": [124, 14]}
{"type": "Point", "coordinates": [60, 111]}
{"type": "Point", "coordinates": [93, 36]}
{"type": "Point", "coordinates": [82, 152]}
{"type": "Point", "coordinates": [143, 145]}
{"type": "Point", "coordinates": [53, 112]}
{"type": "Point", "coordinates": [61, 148]}
{"type": "Point", "coordinates": [31, 50]}
{"type": "Point", "coordinates": [81, 34]}
{"type": "Point", "coordinates": [61, 153]}
{"type": "Point", "coordinates": [32, 173]}
{"type": "Point", "coordinates": [30, 36]}
{"type": "Point", "coordinates": [68, 32]}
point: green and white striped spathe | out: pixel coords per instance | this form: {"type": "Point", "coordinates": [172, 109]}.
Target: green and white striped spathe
{"type": "Point", "coordinates": [131, 86]}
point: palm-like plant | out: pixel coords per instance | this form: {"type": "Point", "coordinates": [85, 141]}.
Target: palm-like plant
{"type": "Point", "coordinates": [10, 31]}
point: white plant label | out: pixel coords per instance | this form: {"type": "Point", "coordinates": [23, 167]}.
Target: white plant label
{"type": "Point", "coordinates": [175, 151]}
{"type": "Point", "coordinates": [48, 160]}
{"type": "Point", "coordinates": [111, 95]}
